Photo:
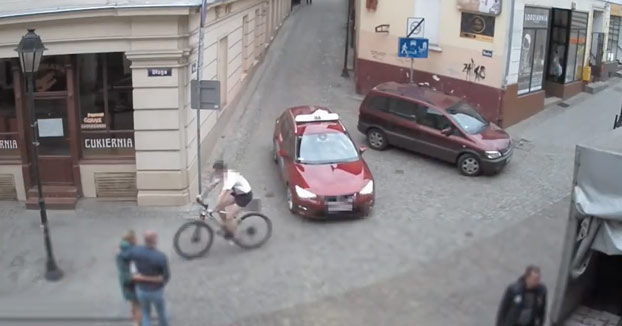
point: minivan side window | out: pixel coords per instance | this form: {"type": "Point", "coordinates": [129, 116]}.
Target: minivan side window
{"type": "Point", "coordinates": [378, 103]}
{"type": "Point", "coordinates": [403, 109]}
{"type": "Point", "coordinates": [433, 118]}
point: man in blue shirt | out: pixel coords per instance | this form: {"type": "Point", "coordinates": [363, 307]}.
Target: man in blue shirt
{"type": "Point", "coordinates": [150, 261]}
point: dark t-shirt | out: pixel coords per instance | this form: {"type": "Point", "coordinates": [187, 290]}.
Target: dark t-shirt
{"type": "Point", "coordinates": [149, 262]}
{"type": "Point", "coordinates": [529, 307]}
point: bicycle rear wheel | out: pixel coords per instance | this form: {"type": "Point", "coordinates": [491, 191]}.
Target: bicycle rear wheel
{"type": "Point", "coordinates": [253, 230]}
{"type": "Point", "coordinates": [193, 239]}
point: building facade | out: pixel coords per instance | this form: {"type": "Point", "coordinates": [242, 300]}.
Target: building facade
{"type": "Point", "coordinates": [504, 57]}
{"type": "Point", "coordinates": [112, 95]}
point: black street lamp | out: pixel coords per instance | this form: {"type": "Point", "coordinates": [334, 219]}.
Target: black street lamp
{"type": "Point", "coordinates": [30, 51]}
{"type": "Point", "coordinates": [344, 71]}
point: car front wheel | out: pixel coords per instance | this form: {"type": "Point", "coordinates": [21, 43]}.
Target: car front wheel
{"type": "Point", "coordinates": [469, 165]}
{"type": "Point", "coordinates": [376, 139]}
{"type": "Point", "coordinates": [275, 155]}
{"type": "Point", "coordinates": [290, 200]}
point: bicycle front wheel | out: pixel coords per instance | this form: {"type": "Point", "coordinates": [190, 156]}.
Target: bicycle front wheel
{"type": "Point", "coordinates": [253, 230]}
{"type": "Point", "coordinates": [193, 239]}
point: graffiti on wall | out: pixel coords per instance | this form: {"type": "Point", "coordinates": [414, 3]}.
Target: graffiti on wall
{"type": "Point", "coordinates": [473, 71]}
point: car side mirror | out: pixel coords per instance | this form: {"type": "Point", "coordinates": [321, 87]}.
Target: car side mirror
{"type": "Point", "coordinates": [362, 149]}
{"type": "Point", "coordinates": [447, 131]}
{"type": "Point", "coordinates": [282, 153]}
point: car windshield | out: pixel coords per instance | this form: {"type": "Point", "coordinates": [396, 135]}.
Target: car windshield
{"type": "Point", "coordinates": [468, 118]}
{"type": "Point", "coordinates": [325, 148]}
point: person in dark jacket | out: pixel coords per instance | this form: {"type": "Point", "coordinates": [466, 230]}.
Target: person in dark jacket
{"type": "Point", "coordinates": [524, 301]}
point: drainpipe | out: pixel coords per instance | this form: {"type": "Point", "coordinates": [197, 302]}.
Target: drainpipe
{"type": "Point", "coordinates": [509, 49]}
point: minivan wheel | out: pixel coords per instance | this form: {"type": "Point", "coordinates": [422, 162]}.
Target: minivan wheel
{"type": "Point", "coordinates": [469, 165]}
{"type": "Point", "coordinates": [376, 139]}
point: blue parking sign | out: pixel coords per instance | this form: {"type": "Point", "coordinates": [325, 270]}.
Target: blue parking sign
{"type": "Point", "coordinates": [413, 48]}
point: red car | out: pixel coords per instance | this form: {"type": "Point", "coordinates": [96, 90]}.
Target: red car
{"type": "Point", "coordinates": [323, 170]}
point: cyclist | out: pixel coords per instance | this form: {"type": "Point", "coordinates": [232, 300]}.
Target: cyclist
{"type": "Point", "coordinates": [236, 193]}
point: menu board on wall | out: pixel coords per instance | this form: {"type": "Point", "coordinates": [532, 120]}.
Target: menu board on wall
{"type": "Point", "coordinates": [50, 127]}
{"type": "Point", "coordinates": [490, 7]}
{"type": "Point", "coordinates": [479, 27]}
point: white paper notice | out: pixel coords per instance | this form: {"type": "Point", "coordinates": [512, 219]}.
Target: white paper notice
{"type": "Point", "coordinates": [50, 127]}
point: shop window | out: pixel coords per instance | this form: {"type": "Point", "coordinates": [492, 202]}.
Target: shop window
{"type": "Point", "coordinates": [52, 74]}
{"type": "Point", "coordinates": [567, 46]}
{"type": "Point", "coordinates": [614, 36]}
{"type": "Point", "coordinates": [9, 148]}
{"type": "Point", "coordinates": [576, 47]}
{"type": "Point", "coordinates": [533, 50]}
{"type": "Point", "coordinates": [106, 106]}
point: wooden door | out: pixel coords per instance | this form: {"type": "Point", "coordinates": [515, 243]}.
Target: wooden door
{"type": "Point", "coordinates": [54, 141]}
{"type": "Point", "coordinates": [55, 116]}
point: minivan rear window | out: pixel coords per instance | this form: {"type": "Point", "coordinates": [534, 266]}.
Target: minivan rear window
{"type": "Point", "coordinates": [467, 118]}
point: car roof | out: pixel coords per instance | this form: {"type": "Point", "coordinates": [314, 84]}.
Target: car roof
{"type": "Point", "coordinates": [314, 127]}
{"type": "Point", "coordinates": [432, 97]}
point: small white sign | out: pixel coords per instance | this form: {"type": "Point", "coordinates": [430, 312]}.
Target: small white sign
{"type": "Point", "coordinates": [50, 127]}
{"type": "Point", "coordinates": [411, 23]}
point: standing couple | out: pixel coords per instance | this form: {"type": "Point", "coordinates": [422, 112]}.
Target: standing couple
{"type": "Point", "coordinates": [143, 273]}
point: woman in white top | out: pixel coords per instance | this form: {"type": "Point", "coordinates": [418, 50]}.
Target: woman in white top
{"type": "Point", "coordinates": [236, 193]}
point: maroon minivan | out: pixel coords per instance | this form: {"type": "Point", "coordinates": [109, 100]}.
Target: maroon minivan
{"type": "Point", "coordinates": [435, 124]}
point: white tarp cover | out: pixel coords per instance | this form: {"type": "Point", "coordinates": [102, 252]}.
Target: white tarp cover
{"type": "Point", "coordinates": [598, 189]}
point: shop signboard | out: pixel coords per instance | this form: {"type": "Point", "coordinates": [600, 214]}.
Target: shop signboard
{"type": "Point", "coordinates": [488, 7]}
{"type": "Point", "coordinates": [108, 142]}
{"type": "Point", "coordinates": [616, 10]}
{"type": "Point", "coordinates": [8, 144]}
{"type": "Point", "coordinates": [536, 18]}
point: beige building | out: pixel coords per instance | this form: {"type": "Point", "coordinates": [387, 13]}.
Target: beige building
{"type": "Point", "coordinates": [466, 54]}
{"type": "Point", "coordinates": [508, 58]}
{"type": "Point", "coordinates": [112, 94]}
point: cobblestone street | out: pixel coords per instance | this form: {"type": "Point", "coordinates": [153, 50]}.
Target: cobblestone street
{"type": "Point", "coordinates": [437, 250]}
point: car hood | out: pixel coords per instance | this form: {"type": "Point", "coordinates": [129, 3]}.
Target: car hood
{"type": "Point", "coordinates": [333, 179]}
{"type": "Point", "coordinates": [493, 138]}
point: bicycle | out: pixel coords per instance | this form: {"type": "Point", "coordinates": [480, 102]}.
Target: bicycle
{"type": "Point", "coordinates": [246, 235]}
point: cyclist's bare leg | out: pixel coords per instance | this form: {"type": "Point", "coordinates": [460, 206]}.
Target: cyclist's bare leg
{"type": "Point", "coordinates": [225, 199]}
{"type": "Point", "coordinates": [231, 222]}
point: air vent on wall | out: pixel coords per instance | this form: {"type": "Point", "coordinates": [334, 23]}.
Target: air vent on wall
{"type": "Point", "coordinates": [116, 185]}
{"type": "Point", "coordinates": [7, 187]}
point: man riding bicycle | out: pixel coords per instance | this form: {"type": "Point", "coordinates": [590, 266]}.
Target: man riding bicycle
{"type": "Point", "coordinates": [236, 193]}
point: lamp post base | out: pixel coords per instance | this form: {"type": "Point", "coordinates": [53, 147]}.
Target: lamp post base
{"type": "Point", "coordinates": [53, 273]}
{"type": "Point", "coordinates": [345, 74]}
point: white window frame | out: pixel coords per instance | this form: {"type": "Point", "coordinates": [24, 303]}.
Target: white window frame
{"type": "Point", "coordinates": [430, 10]}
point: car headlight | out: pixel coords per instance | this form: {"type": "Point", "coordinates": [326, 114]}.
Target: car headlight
{"type": "Point", "coordinates": [368, 189]}
{"type": "Point", "coordinates": [306, 194]}
{"type": "Point", "coordinates": [493, 154]}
